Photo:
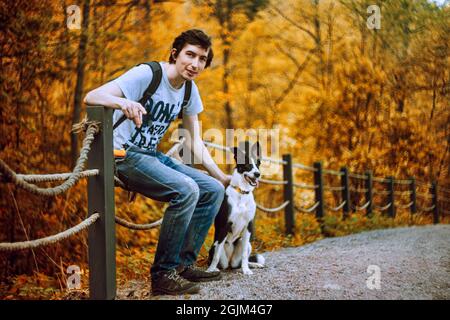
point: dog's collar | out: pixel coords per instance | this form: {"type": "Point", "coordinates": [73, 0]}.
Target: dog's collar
{"type": "Point", "coordinates": [239, 190]}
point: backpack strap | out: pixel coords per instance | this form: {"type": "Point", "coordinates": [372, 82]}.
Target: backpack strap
{"type": "Point", "coordinates": [156, 80]}
{"type": "Point", "coordinates": [151, 89]}
{"type": "Point", "coordinates": [187, 96]}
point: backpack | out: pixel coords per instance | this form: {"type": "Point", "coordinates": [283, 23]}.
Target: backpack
{"type": "Point", "coordinates": [153, 86]}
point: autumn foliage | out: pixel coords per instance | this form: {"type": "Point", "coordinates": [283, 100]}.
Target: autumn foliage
{"type": "Point", "coordinates": [338, 91]}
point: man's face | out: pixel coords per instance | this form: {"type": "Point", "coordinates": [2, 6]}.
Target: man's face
{"type": "Point", "coordinates": [191, 61]}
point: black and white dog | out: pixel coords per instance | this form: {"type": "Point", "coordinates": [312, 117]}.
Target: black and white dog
{"type": "Point", "coordinates": [233, 223]}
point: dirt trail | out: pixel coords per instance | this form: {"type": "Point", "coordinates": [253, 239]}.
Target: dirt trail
{"type": "Point", "coordinates": [413, 263]}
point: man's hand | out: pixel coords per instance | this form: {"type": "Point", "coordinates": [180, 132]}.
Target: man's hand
{"type": "Point", "coordinates": [110, 95]}
{"type": "Point", "coordinates": [132, 110]}
{"type": "Point", "coordinates": [225, 180]}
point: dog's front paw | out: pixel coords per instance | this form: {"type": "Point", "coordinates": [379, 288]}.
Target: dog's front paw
{"type": "Point", "coordinates": [210, 269]}
{"type": "Point", "coordinates": [247, 271]}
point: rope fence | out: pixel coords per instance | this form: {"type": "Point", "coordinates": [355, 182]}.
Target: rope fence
{"type": "Point", "coordinates": [8, 246]}
{"type": "Point", "coordinates": [35, 178]}
{"type": "Point", "coordinates": [134, 226]}
{"type": "Point", "coordinates": [305, 186]}
{"type": "Point", "coordinates": [339, 207]}
{"type": "Point", "coordinates": [405, 206]}
{"type": "Point", "coordinates": [309, 209]}
{"type": "Point", "coordinates": [282, 206]}
{"type": "Point", "coordinates": [274, 182]}
{"type": "Point", "coordinates": [360, 208]}
{"type": "Point", "coordinates": [9, 175]}
{"type": "Point", "coordinates": [101, 208]}
{"type": "Point", "coordinates": [386, 188]}
{"type": "Point", "coordinates": [428, 209]}
{"type": "Point", "coordinates": [383, 208]}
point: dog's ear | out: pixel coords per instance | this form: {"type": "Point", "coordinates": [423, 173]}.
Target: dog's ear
{"type": "Point", "coordinates": [256, 151]}
{"type": "Point", "coordinates": [239, 155]}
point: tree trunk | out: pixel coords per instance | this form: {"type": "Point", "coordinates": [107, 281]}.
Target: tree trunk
{"type": "Point", "coordinates": [226, 57]}
{"type": "Point", "coordinates": [80, 79]}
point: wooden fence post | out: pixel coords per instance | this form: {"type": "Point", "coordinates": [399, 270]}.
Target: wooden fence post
{"type": "Point", "coordinates": [102, 234]}
{"type": "Point", "coordinates": [413, 195]}
{"type": "Point", "coordinates": [288, 194]}
{"type": "Point", "coordinates": [345, 184]}
{"type": "Point", "coordinates": [369, 193]}
{"type": "Point", "coordinates": [391, 197]}
{"type": "Point", "coordinates": [434, 191]}
{"type": "Point", "coordinates": [318, 181]}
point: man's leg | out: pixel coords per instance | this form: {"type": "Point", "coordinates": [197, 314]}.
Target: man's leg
{"type": "Point", "coordinates": [210, 199]}
{"type": "Point", "coordinates": [147, 175]}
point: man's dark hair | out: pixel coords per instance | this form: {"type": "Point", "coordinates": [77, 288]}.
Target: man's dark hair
{"type": "Point", "coordinates": [195, 37]}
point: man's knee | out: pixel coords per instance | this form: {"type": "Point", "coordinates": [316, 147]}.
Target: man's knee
{"type": "Point", "coordinates": [189, 191]}
{"type": "Point", "coordinates": [220, 191]}
{"type": "Point", "coordinates": [216, 190]}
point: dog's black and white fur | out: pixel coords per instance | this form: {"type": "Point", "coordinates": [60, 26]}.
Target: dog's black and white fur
{"type": "Point", "coordinates": [233, 223]}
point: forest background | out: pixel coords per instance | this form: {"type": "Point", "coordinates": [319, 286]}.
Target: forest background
{"type": "Point", "coordinates": [337, 90]}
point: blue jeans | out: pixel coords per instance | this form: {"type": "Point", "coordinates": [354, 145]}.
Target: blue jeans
{"type": "Point", "coordinates": [194, 198]}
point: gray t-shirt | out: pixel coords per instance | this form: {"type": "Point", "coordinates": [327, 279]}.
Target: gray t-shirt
{"type": "Point", "coordinates": [162, 108]}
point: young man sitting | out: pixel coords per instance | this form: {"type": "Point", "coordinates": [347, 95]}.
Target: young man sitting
{"type": "Point", "coordinates": [194, 197]}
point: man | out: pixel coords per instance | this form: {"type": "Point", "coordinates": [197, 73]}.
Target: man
{"type": "Point", "coordinates": [194, 197]}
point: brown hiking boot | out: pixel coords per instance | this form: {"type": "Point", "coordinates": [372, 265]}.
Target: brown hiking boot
{"type": "Point", "coordinates": [172, 284]}
{"type": "Point", "coordinates": [195, 274]}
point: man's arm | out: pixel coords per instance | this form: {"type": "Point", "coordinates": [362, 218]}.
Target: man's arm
{"type": "Point", "coordinates": [195, 143]}
{"type": "Point", "coordinates": [110, 95]}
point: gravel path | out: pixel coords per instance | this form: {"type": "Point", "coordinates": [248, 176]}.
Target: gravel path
{"type": "Point", "coordinates": [414, 263]}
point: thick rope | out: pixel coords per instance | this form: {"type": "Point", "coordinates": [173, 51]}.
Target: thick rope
{"type": "Point", "coordinates": [55, 176]}
{"type": "Point", "coordinates": [382, 192]}
{"type": "Point", "coordinates": [427, 209]}
{"type": "Point", "coordinates": [403, 181]}
{"type": "Point", "coordinates": [11, 176]}
{"type": "Point", "coordinates": [363, 207]}
{"type": "Point", "coordinates": [308, 210]}
{"type": "Point", "coordinates": [272, 181]}
{"type": "Point", "coordinates": [7, 246]}
{"type": "Point", "coordinates": [357, 176]}
{"type": "Point", "coordinates": [384, 208]}
{"type": "Point", "coordinates": [260, 207]}
{"type": "Point", "coordinates": [176, 147]}
{"type": "Point", "coordinates": [406, 206]}
{"type": "Point", "coordinates": [302, 166]}
{"type": "Point", "coordinates": [381, 180]}
{"type": "Point", "coordinates": [135, 226]}
{"type": "Point", "coordinates": [333, 172]}
{"type": "Point", "coordinates": [333, 188]}
{"type": "Point", "coordinates": [339, 207]}
{"type": "Point", "coordinates": [305, 186]}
